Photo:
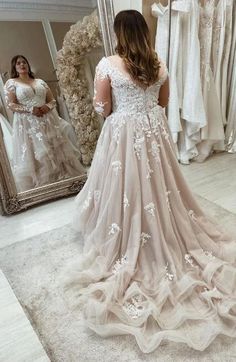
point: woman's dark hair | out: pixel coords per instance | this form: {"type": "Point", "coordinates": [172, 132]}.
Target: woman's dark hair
{"type": "Point", "coordinates": [134, 47]}
{"type": "Point", "coordinates": [14, 73]}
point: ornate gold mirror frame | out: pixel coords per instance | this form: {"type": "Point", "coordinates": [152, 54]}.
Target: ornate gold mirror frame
{"type": "Point", "coordinates": [12, 201]}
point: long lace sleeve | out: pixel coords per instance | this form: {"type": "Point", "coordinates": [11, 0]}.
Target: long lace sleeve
{"type": "Point", "coordinates": [50, 100]}
{"type": "Point", "coordinates": [11, 99]}
{"type": "Point", "coordinates": [102, 100]}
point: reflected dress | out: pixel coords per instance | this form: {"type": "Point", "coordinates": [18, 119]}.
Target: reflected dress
{"type": "Point", "coordinates": [42, 150]}
{"type": "Point", "coordinates": [153, 265]}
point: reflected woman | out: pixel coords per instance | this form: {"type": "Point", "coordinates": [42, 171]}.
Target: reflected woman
{"type": "Point", "coordinates": [41, 151]}
{"type": "Point", "coordinates": [153, 265]}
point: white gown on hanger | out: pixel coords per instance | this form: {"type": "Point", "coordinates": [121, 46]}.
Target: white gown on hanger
{"type": "Point", "coordinates": [161, 12]}
{"type": "Point", "coordinates": [230, 134]}
{"type": "Point", "coordinates": [185, 79]}
{"type": "Point", "coordinates": [193, 111]}
{"type": "Point", "coordinates": [213, 131]}
{"type": "Point", "coordinates": [153, 266]}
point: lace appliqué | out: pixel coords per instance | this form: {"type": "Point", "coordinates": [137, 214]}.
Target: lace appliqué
{"type": "Point", "coordinates": [138, 146]}
{"type": "Point", "coordinates": [87, 201]}
{"type": "Point", "coordinates": [149, 170]}
{"type": "Point", "coordinates": [168, 274]}
{"type": "Point", "coordinates": [97, 195]}
{"type": "Point", "coordinates": [134, 308]}
{"type": "Point", "coordinates": [125, 202]}
{"type": "Point", "coordinates": [189, 260]}
{"type": "Point", "coordinates": [100, 107]}
{"type": "Point", "coordinates": [155, 151]}
{"type": "Point", "coordinates": [116, 166]}
{"type": "Point", "coordinates": [192, 215]}
{"type": "Point", "coordinates": [209, 254]}
{"type": "Point", "coordinates": [116, 128]}
{"type": "Point", "coordinates": [114, 228]}
{"type": "Point", "coordinates": [150, 208]}
{"type": "Point", "coordinates": [144, 238]}
{"type": "Point", "coordinates": [119, 264]}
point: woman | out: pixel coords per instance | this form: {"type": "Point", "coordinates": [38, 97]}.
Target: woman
{"type": "Point", "coordinates": [42, 153]}
{"type": "Point", "coordinates": [154, 265]}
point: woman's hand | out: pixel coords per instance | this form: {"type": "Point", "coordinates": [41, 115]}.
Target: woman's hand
{"type": "Point", "coordinates": [37, 112]}
{"type": "Point", "coordinates": [44, 109]}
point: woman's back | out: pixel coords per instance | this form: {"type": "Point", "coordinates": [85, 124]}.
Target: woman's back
{"type": "Point", "coordinates": [127, 95]}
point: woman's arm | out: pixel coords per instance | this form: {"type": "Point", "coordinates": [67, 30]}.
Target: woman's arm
{"type": "Point", "coordinates": [50, 100]}
{"type": "Point", "coordinates": [102, 100]}
{"type": "Point", "coordinates": [164, 93]}
{"type": "Point", "coordinates": [11, 99]}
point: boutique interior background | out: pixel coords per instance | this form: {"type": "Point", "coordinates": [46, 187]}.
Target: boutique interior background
{"type": "Point", "coordinates": [36, 244]}
{"type": "Point", "coordinates": [37, 30]}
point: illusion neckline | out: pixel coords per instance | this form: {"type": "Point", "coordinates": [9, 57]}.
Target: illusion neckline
{"type": "Point", "coordinates": [128, 78]}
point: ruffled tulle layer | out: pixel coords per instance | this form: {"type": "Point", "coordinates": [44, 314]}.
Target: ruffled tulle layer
{"type": "Point", "coordinates": [154, 266]}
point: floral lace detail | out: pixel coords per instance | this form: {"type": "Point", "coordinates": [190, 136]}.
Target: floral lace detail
{"type": "Point", "coordinates": [114, 228]}
{"type": "Point", "coordinates": [97, 195]}
{"type": "Point", "coordinates": [87, 201]}
{"type": "Point", "coordinates": [155, 150]}
{"type": "Point", "coordinates": [150, 208]}
{"type": "Point", "coordinates": [119, 264]}
{"type": "Point", "coordinates": [134, 308]}
{"type": "Point", "coordinates": [192, 215]}
{"type": "Point", "coordinates": [138, 142]}
{"type": "Point", "coordinates": [205, 35]}
{"type": "Point", "coordinates": [117, 125]}
{"type": "Point", "coordinates": [125, 202]}
{"type": "Point", "coordinates": [168, 274]}
{"type": "Point", "coordinates": [144, 238]}
{"type": "Point", "coordinates": [100, 107]}
{"type": "Point", "coordinates": [209, 254]}
{"type": "Point", "coordinates": [116, 166]}
{"type": "Point", "coordinates": [149, 170]}
{"type": "Point", "coordinates": [140, 104]}
{"type": "Point", "coordinates": [189, 260]}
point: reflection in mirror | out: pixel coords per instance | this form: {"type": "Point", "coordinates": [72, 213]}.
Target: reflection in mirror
{"type": "Point", "coordinates": [40, 141]}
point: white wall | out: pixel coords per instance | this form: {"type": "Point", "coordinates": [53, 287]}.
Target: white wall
{"type": "Point", "coordinates": [127, 4]}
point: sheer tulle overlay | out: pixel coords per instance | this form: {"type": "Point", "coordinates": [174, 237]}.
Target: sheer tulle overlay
{"type": "Point", "coordinates": [153, 265]}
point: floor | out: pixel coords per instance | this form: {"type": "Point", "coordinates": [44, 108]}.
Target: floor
{"type": "Point", "coordinates": [215, 180]}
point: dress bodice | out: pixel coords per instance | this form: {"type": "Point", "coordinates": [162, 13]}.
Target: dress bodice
{"type": "Point", "coordinates": [128, 96]}
{"type": "Point", "coordinates": [28, 95]}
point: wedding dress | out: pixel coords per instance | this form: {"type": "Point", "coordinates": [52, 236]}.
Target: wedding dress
{"type": "Point", "coordinates": [42, 152]}
{"type": "Point", "coordinates": [153, 266]}
{"type": "Point", "coordinates": [186, 115]}
{"type": "Point", "coordinates": [213, 132]}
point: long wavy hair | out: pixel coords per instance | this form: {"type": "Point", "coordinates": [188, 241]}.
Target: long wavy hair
{"type": "Point", "coordinates": [14, 73]}
{"type": "Point", "coordinates": [134, 47]}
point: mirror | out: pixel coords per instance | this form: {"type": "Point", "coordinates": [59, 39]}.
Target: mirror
{"type": "Point", "coordinates": [46, 155]}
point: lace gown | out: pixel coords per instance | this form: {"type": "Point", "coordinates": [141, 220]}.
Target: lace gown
{"type": "Point", "coordinates": [42, 148]}
{"type": "Point", "coordinates": [153, 266]}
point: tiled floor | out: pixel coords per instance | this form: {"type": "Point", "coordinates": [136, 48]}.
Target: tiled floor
{"type": "Point", "coordinates": [214, 180]}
